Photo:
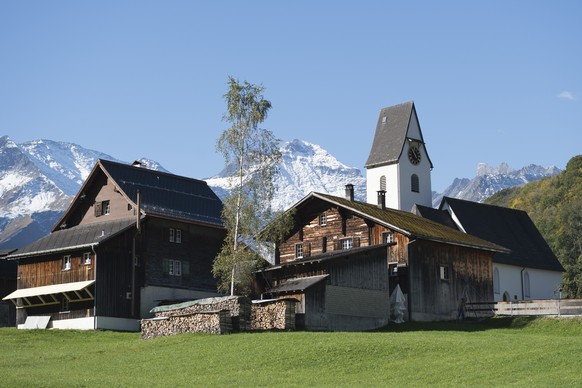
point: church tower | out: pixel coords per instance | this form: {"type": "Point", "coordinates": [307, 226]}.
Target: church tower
{"type": "Point", "coordinates": [398, 163]}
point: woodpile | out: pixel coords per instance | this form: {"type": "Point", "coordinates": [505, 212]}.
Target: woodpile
{"type": "Point", "coordinates": [219, 316]}
{"type": "Point", "coordinates": [215, 322]}
{"type": "Point", "coordinates": [273, 314]}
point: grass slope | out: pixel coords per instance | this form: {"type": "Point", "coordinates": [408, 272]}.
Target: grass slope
{"type": "Point", "coordinates": [522, 351]}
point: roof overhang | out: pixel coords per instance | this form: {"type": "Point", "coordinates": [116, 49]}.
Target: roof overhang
{"type": "Point", "coordinates": [53, 294]}
{"type": "Point", "coordinates": [49, 251]}
{"type": "Point", "coordinates": [296, 285]}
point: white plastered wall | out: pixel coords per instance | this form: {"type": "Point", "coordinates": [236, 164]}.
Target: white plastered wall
{"type": "Point", "coordinates": [543, 284]}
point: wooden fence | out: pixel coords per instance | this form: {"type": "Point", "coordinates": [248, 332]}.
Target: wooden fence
{"type": "Point", "coordinates": [526, 307]}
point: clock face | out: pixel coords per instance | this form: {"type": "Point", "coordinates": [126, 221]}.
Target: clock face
{"type": "Point", "coordinates": [414, 155]}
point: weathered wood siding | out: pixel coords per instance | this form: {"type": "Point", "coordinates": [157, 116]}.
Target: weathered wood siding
{"type": "Point", "coordinates": [318, 239]}
{"type": "Point", "coordinates": [196, 251]}
{"type": "Point", "coordinates": [104, 190]}
{"type": "Point", "coordinates": [469, 275]}
{"type": "Point", "coordinates": [48, 270]}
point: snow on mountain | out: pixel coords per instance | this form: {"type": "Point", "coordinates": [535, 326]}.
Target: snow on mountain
{"type": "Point", "coordinates": [490, 180]}
{"type": "Point", "coordinates": [38, 180]}
{"type": "Point", "coordinates": [305, 167]}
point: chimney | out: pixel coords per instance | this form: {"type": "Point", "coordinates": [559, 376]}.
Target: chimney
{"type": "Point", "coordinates": [382, 199]}
{"type": "Point", "coordinates": [350, 192]}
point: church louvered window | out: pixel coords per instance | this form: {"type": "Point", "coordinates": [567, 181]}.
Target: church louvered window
{"type": "Point", "coordinates": [414, 183]}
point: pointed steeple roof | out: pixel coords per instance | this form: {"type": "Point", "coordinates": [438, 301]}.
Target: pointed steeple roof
{"type": "Point", "coordinates": [391, 134]}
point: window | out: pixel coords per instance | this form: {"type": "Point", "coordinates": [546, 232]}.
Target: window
{"type": "Point", "coordinates": [444, 272]}
{"type": "Point", "coordinates": [66, 263]}
{"type": "Point", "coordinates": [175, 267]}
{"type": "Point", "coordinates": [387, 237]}
{"type": "Point", "coordinates": [298, 251]}
{"type": "Point", "coordinates": [87, 258]}
{"type": "Point", "coordinates": [414, 183]}
{"type": "Point", "coordinates": [383, 183]}
{"type": "Point", "coordinates": [323, 219]}
{"type": "Point", "coordinates": [347, 243]}
{"type": "Point", "coordinates": [178, 236]}
{"type": "Point", "coordinates": [526, 288]}
{"type": "Point", "coordinates": [102, 208]}
{"type": "Point", "coordinates": [496, 287]}
{"type": "Point", "coordinates": [172, 235]}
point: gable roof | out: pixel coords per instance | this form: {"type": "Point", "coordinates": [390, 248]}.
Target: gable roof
{"type": "Point", "coordinates": [511, 228]}
{"type": "Point", "coordinates": [161, 194]}
{"type": "Point", "coordinates": [391, 134]}
{"type": "Point", "coordinates": [82, 236]}
{"type": "Point", "coordinates": [441, 216]}
{"type": "Point", "coordinates": [406, 223]}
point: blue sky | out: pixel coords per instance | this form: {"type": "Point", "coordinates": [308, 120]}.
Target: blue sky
{"type": "Point", "coordinates": [495, 81]}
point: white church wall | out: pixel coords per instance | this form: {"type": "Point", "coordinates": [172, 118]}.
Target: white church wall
{"type": "Point", "coordinates": [373, 185]}
{"type": "Point", "coordinates": [543, 284]}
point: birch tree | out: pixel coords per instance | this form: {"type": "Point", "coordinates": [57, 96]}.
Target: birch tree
{"type": "Point", "coordinates": [251, 153]}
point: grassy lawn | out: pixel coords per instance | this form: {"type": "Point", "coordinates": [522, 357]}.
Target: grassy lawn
{"type": "Point", "coordinates": [495, 352]}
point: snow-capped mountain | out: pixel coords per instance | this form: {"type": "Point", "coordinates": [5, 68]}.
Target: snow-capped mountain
{"type": "Point", "coordinates": [490, 180]}
{"type": "Point", "coordinates": [305, 167]}
{"type": "Point", "coordinates": [38, 180]}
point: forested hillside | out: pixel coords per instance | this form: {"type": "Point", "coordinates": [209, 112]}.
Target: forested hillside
{"type": "Point", "coordinates": [555, 206]}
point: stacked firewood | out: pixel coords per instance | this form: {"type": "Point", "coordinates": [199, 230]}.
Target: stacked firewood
{"type": "Point", "coordinates": [216, 322]}
{"type": "Point", "coordinates": [273, 314]}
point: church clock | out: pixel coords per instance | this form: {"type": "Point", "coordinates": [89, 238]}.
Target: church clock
{"type": "Point", "coordinates": [414, 154]}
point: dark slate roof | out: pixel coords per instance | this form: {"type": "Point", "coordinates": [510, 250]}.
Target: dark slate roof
{"type": "Point", "coordinates": [406, 223]}
{"type": "Point", "coordinates": [77, 237]}
{"type": "Point", "coordinates": [166, 195]}
{"type": "Point", "coordinates": [441, 216]}
{"type": "Point", "coordinates": [390, 135]}
{"type": "Point", "coordinates": [297, 284]}
{"type": "Point", "coordinates": [508, 227]}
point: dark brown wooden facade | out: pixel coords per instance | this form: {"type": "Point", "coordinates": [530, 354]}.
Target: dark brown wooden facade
{"type": "Point", "coordinates": [126, 259]}
{"type": "Point", "coordinates": [435, 266]}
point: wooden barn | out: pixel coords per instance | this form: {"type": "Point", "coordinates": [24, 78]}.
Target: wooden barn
{"type": "Point", "coordinates": [132, 237]}
{"type": "Point", "coordinates": [530, 271]}
{"type": "Point", "coordinates": [344, 258]}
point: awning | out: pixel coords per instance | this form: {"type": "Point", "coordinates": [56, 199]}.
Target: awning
{"type": "Point", "coordinates": [53, 294]}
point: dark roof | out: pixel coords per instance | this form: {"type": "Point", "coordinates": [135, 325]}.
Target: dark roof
{"type": "Point", "coordinates": [406, 223]}
{"type": "Point", "coordinates": [441, 216]}
{"type": "Point", "coordinates": [77, 237]}
{"type": "Point", "coordinates": [297, 284]}
{"type": "Point", "coordinates": [508, 227]}
{"type": "Point", "coordinates": [391, 134]}
{"type": "Point", "coordinates": [161, 194]}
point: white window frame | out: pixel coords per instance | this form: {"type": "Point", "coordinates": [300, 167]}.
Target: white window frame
{"type": "Point", "coordinates": [106, 207]}
{"type": "Point", "coordinates": [323, 219]}
{"type": "Point", "coordinates": [172, 235]}
{"type": "Point", "coordinates": [347, 243]}
{"type": "Point", "coordinates": [66, 262]}
{"type": "Point", "coordinates": [175, 267]}
{"type": "Point", "coordinates": [178, 239]}
{"type": "Point", "coordinates": [387, 237]}
{"type": "Point", "coordinates": [299, 251]}
{"type": "Point", "coordinates": [86, 258]}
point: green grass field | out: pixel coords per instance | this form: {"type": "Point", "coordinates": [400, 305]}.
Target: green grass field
{"type": "Point", "coordinates": [495, 352]}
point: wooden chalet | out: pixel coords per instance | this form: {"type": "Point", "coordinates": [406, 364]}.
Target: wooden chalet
{"type": "Point", "coordinates": [7, 285]}
{"type": "Point", "coordinates": [529, 271]}
{"type": "Point", "coordinates": [344, 257]}
{"type": "Point", "coordinates": [131, 238]}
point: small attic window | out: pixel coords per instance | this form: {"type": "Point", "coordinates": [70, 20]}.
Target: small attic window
{"type": "Point", "coordinates": [383, 119]}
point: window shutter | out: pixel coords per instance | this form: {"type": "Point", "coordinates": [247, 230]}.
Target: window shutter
{"type": "Point", "coordinates": [166, 266]}
{"type": "Point", "coordinates": [306, 249]}
{"type": "Point", "coordinates": [97, 209]}
{"type": "Point", "coordinates": [356, 242]}
{"type": "Point", "coordinates": [337, 245]}
{"type": "Point", "coordinates": [185, 268]}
